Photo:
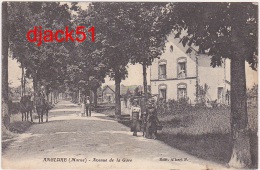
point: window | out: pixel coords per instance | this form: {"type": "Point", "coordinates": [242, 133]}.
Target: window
{"type": "Point", "coordinates": [182, 71]}
{"type": "Point", "coordinates": [182, 91]}
{"type": "Point", "coordinates": [162, 91]}
{"type": "Point", "coordinates": [228, 97]}
{"type": "Point", "coordinates": [220, 94]}
{"type": "Point", "coordinates": [162, 69]}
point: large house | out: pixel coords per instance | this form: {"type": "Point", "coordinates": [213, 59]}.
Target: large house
{"type": "Point", "coordinates": [179, 75]}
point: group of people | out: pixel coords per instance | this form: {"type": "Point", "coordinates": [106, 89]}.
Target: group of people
{"type": "Point", "coordinates": [85, 106]}
{"type": "Point", "coordinates": [144, 118]}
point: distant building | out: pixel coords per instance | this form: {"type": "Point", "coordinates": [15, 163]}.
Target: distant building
{"type": "Point", "coordinates": [108, 95]}
{"type": "Point", "coordinates": [177, 75]}
{"type": "Point", "coordinates": [108, 92]}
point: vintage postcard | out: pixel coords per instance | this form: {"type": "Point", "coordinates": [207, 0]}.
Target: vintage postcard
{"type": "Point", "coordinates": [129, 85]}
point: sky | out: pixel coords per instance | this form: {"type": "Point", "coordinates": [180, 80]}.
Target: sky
{"type": "Point", "coordinates": [135, 75]}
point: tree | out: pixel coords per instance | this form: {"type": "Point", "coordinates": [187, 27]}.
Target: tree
{"type": "Point", "coordinates": [43, 64]}
{"type": "Point", "coordinates": [112, 20]}
{"type": "Point", "coordinates": [5, 48]}
{"type": "Point", "coordinates": [133, 35]}
{"type": "Point", "coordinates": [223, 30]}
{"type": "Point", "coordinates": [149, 39]}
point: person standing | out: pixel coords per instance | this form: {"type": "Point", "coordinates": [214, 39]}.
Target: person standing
{"type": "Point", "coordinates": [152, 121]}
{"type": "Point", "coordinates": [83, 106]}
{"type": "Point", "coordinates": [143, 101]}
{"type": "Point", "coordinates": [88, 106]}
{"type": "Point", "coordinates": [135, 115]}
{"type": "Point", "coordinates": [129, 106]}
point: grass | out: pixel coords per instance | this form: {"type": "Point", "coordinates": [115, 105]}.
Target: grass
{"type": "Point", "coordinates": [197, 121]}
{"type": "Point", "coordinates": [205, 133]}
{"type": "Point", "coordinates": [105, 108]}
{"type": "Point", "coordinates": [17, 126]}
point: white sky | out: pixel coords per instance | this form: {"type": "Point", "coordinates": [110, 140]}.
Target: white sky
{"type": "Point", "coordinates": [135, 75]}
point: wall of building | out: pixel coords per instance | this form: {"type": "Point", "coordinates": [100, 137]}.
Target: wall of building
{"type": "Point", "coordinates": [108, 94]}
{"type": "Point", "coordinates": [214, 78]}
{"type": "Point", "coordinates": [172, 88]}
{"type": "Point", "coordinates": [171, 58]}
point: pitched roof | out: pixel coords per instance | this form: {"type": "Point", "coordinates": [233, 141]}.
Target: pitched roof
{"type": "Point", "coordinates": [107, 86]}
{"type": "Point", "coordinates": [123, 89]}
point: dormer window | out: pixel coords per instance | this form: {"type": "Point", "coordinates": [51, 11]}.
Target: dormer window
{"type": "Point", "coordinates": [162, 69]}
{"type": "Point", "coordinates": [182, 67]}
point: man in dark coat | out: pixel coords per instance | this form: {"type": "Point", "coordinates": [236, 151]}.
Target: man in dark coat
{"type": "Point", "coordinates": [88, 106]}
{"type": "Point", "coordinates": [152, 121]}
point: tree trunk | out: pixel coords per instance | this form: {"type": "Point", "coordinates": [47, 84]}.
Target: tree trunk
{"type": "Point", "coordinates": [117, 95]}
{"type": "Point", "coordinates": [95, 97]}
{"type": "Point", "coordinates": [22, 81]}
{"type": "Point", "coordinates": [241, 157]}
{"type": "Point", "coordinates": [197, 80]}
{"type": "Point", "coordinates": [48, 97]}
{"type": "Point", "coordinates": [51, 97]}
{"type": "Point", "coordinates": [5, 46]}
{"type": "Point", "coordinates": [57, 96]}
{"type": "Point", "coordinates": [145, 80]}
{"type": "Point", "coordinates": [79, 97]}
{"type": "Point", "coordinates": [35, 89]}
{"type": "Point", "coordinates": [54, 98]}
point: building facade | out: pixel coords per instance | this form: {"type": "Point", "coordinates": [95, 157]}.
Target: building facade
{"type": "Point", "coordinates": [108, 95]}
{"type": "Point", "coordinates": [179, 75]}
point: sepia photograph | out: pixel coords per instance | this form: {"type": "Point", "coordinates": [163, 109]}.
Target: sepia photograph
{"type": "Point", "coordinates": [129, 85]}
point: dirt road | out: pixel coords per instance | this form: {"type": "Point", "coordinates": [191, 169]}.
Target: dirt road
{"type": "Point", "coordinates": [71, 141]}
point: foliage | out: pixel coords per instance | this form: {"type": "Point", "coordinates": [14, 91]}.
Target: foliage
{"type": "Point", "coordinates": [253, 92]}
{"type": "Point", "coordinates": [148, 36]}
{"type": "Point", "coordinates": [46, 63]}
{"type": "Point", "coordinates": [137, 92]}
{"type": "Point", "coordinates": [213, 27]}
{"type": "Point", "coordinates": [223, 30]}
{"type": "Point", "coordinates": [202, 92]}
{"type": "Point", "coordinates": [172, 107]}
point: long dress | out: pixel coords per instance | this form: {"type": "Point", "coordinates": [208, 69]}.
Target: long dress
{"type": "Point", "coordinates": [82, 109]}
{"type": "Point", "coordinates": [136, 111]}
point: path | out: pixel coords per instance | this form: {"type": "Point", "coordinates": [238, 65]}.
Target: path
{"type": "Point", "coordinates": [91, 142]}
